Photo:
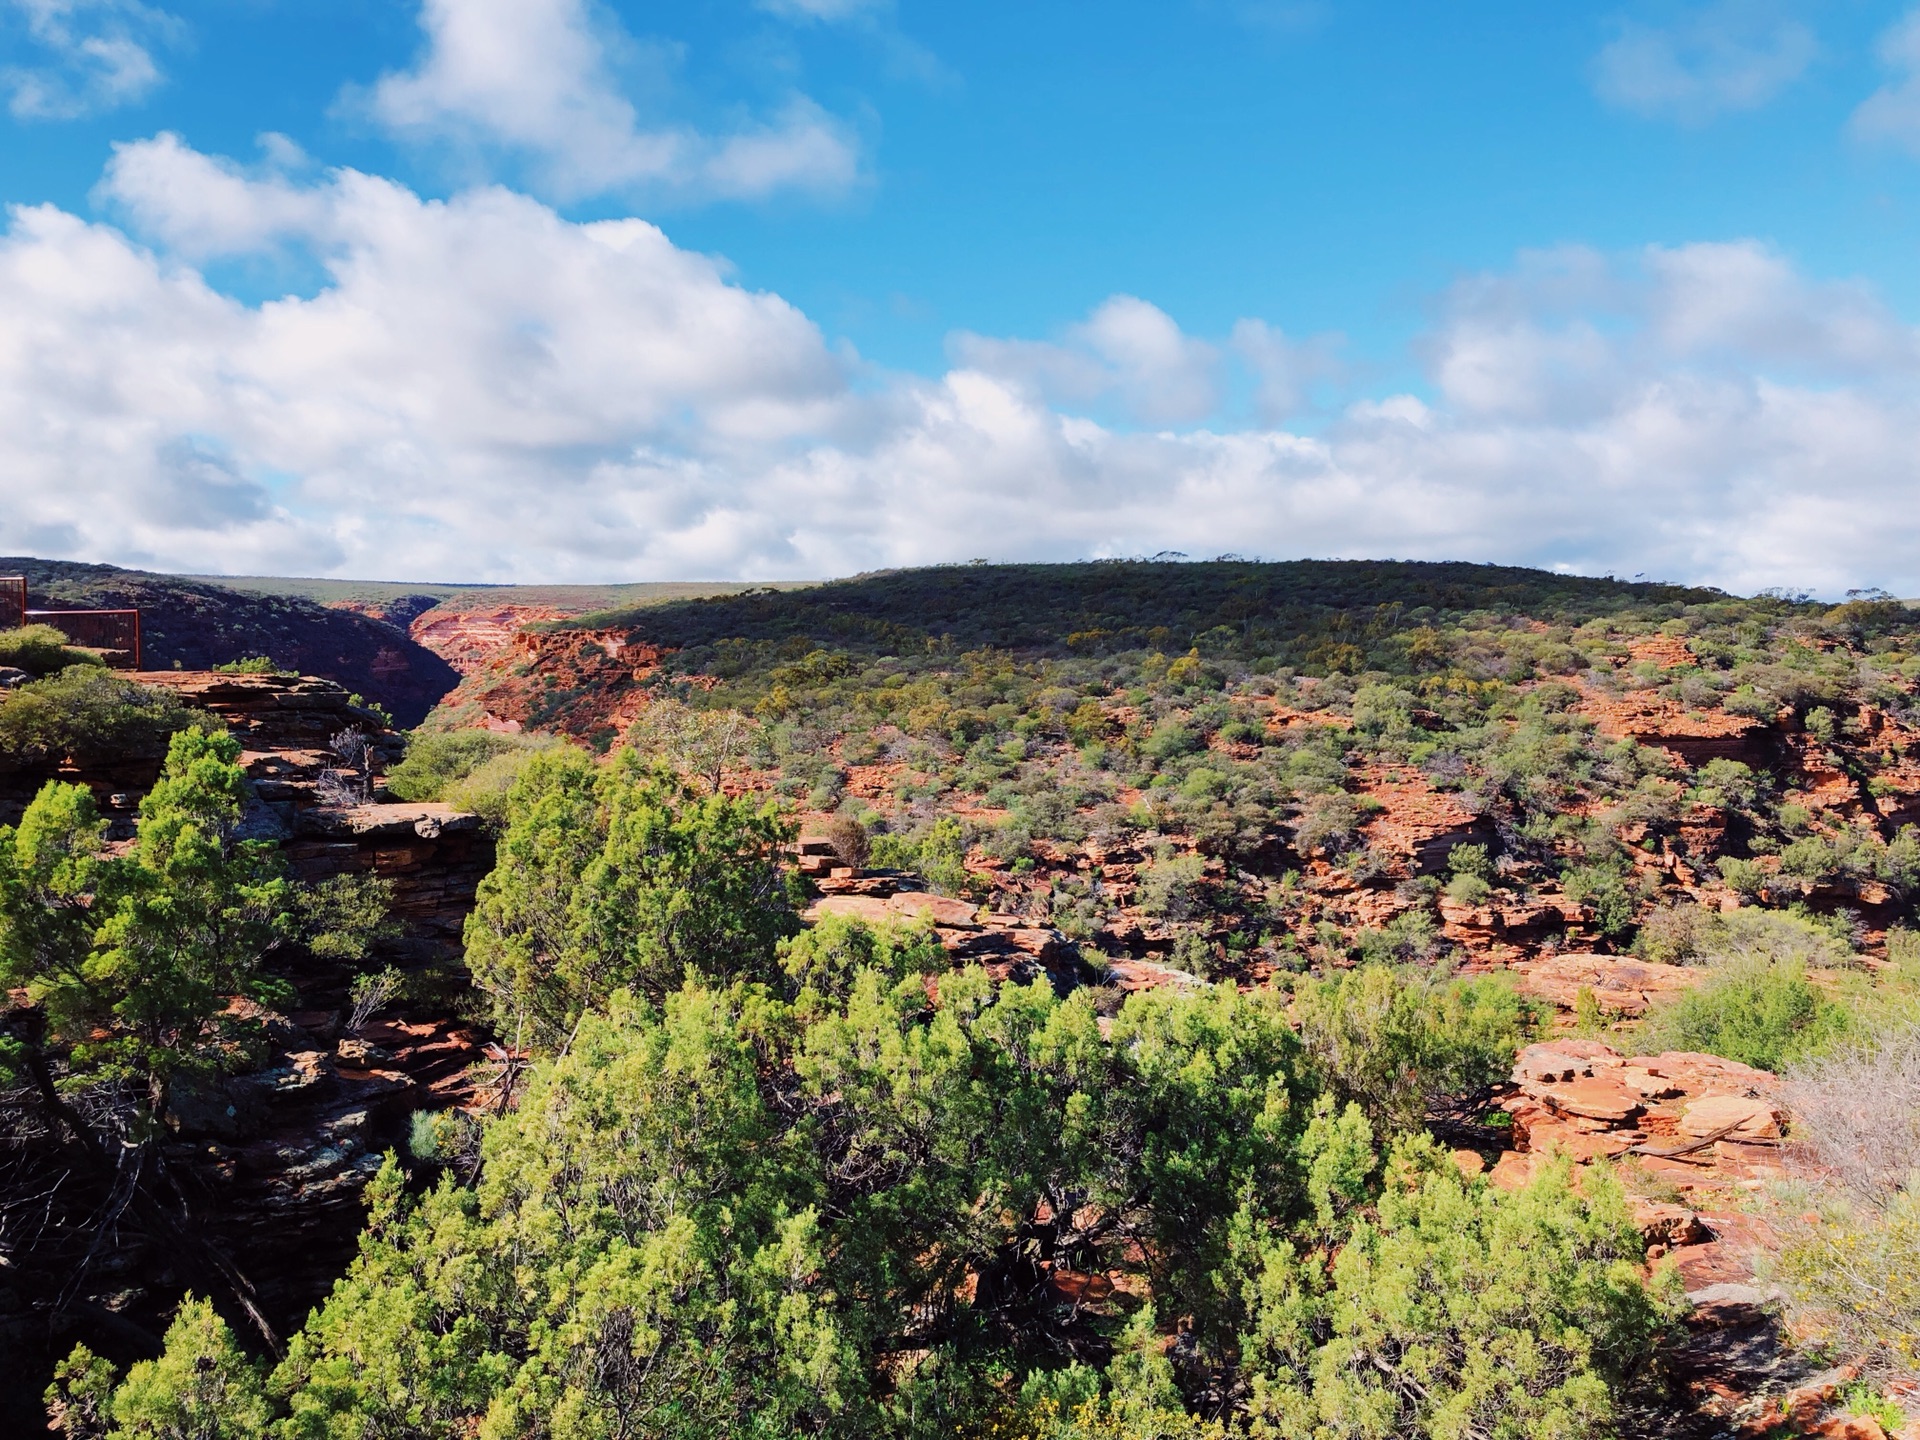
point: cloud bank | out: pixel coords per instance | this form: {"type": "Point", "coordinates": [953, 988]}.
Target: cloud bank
{"type": "Point", "coordinates": [482, 389]}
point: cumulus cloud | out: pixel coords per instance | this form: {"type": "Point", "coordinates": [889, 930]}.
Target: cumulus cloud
{"type": "Point", "coordinates": [93, 55]}
{"type": "Point", "coordinates": [483, 389]}
{"type": "Point", "coordinates": [1892, 113]}
{"type": "Point", "coordinates": [532, 80]}
{"type": "Point", "coordinates": [1127, 350]}
{"type": "Point", "coordinates": [1732, 56]}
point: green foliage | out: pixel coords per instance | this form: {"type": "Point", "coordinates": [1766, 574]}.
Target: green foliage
{"type": "Point", "coordinates": [472, 770]}
{"type": "Point", "coordinates": [939, 856]}
{"type": "Point", "coordinates": [1412, 935]}
{"type": "Point", "coordinates": [1173, 888]}
{"type": "Point", "coordinates": [1727, 783]}
{"type": "Point", "coordinates": [1603, 890]}
{"type": "Point", "coordinates": [1757, 1006]}
{"type": "Point", "coordinates": [724, 1216]}
{"type": "Point", "coordinates": [251, 665]}
{"type": "Point", "coordinates": [698, 745]}
{"type": "Point", "coordinates": [1469, 860]}
{"type": "Point", "coordinates": [825, 958]}
{"type": "Point", "coordinates": [619, 875]}
{"type": "Point", "coordinates": [1399, 1042]}
{"type": "Point", "coordinates": [133, 958]}
{"type": "Point", "coordinates": [1383, 710]}
{"type": "Point", "coordinates": [342, 917]}
{"type": "Point", "coordinates": [1588, 1021]}
{"type": "Point", "coordinates": [89, 710]}
{"type": "Point", "coordinates": [203, 1387]}
{"type": "Point", "coordinates": [1459, 1310]}
{"type": "Point", "coordinates": [1171, 740]}
{"type": "Point", "coordinates": [41, 650]}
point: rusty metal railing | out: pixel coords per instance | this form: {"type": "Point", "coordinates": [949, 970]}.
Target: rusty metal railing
{"type": "Point", "coordinates": [117, 632]}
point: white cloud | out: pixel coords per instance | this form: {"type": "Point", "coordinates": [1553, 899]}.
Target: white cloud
{"type": "Point", "coordinates": [1892, 113]}
{"type": "Point", "coordinates": [94, 55]}
{"type": "Point", "coordinates": [532, 80]}
{"type": "Point", "coordinates": [1127, 350]}
{"type": "Point", "coordinates": [1735, 55]}
{"type": "Point", "coordinates": [482, 389]}
{"type": "Point", "coordinates": [202, 206]}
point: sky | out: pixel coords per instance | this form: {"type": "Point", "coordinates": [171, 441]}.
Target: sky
{"type": "Point", "coordinates": [550, 290]}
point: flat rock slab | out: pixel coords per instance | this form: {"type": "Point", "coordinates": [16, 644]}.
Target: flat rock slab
{"type": "Point", "coordinates": [1751, 1119]}
{"type": "Point", "coordinates": [1592, 1100]}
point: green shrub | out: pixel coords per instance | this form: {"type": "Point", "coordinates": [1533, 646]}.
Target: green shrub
{"type": "Point", "coordinates": [251, 665]}
{"type": "Point", "coordinates": [939, 856]}
{"type": "Point", "coordinates": [41, 650]}
{"type": "Point", "coordinates": [1469, 860]}
{"type": "Point", "coordinates": [1744, 877]}
{"type": "Point", "coordinates": [1331, 822]}
{"type": "Point", "coordinates": [89, 710]}
{"type": "Point", "coordinates": [1728, 784]}
{"type": "Point", "coordinates": [1170, 739]}
{"type": "Point", "coordinates": [1398, 1042]}
{"type": "Point", "coordinates": [1174, 888]}
{"type": "Point", "coordinates": [1757, 1011]}
{"type": "Point", "coordinates": [1469, 889]}
{"type": "Point", "coordinates": [471, 770]}
{"type": "Point", "coordinates": [1603, 890]}
{"type": "Point", "coordinates": [1458, 1310]}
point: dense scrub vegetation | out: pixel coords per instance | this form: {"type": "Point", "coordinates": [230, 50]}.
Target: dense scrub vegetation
{"type": "Point", "coordinates": [772, 1181]}
{"type": "Point", "coordinates": [735, 1173]}
{"type": "Point", "coordinates": [1243, 728]}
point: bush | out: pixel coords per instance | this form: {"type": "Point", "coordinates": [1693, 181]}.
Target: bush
{"type": "Point", "coordinates": [1174, 888]}
{"type": "Point", "coordinates": [89, 710]}
{"type": "Point", "coordinates": [252, 665]}
{"type": "Point", "coordinates": [1399, 1043]}
{"type": "Point", "coordinates": [471, 770]}
{"type": "Point", "coordinates": [1330, 822]}
{"type": "Point", "coordinates": [1469, 860]}
{"type": "Point", "coordinates": [1459, 1311]}
{"type": "Point", "coordinates": [1851, 1264]}
{"type": "Point", "coordinates": [849, 840]}
{"type": "Point", "coordinates": [1170, 739]}
{"type": "Point", "coordinates": [1468, 889]}
{"type": "Point", "coordinates": [1604, 891]}
{"type": "Point", "coordinates": [1753, 1009]}
{"type": "Point", "coordinates": [939, 856]}
{"type": "Point", "coordinates": [41, 650]}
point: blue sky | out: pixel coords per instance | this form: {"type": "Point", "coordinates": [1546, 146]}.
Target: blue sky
{"type": "Point", "coordinates": [1609, 287]}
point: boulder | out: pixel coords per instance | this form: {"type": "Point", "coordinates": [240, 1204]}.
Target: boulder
{"type": "Point", "coordinates": [1662, 1223]}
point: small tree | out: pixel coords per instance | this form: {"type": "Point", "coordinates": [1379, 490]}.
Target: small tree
{"type": "Point", "coordinates": [132, 962]}
{"type": "Point", "coordinates": [623, 875]}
